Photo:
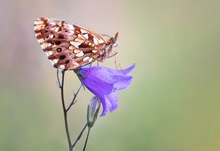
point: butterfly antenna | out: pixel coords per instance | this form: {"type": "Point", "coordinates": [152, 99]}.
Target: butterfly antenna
{"type": "Point", "coordinates": [118, 64]}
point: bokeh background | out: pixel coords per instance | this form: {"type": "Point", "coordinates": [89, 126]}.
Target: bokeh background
{"type": "Point", "coordinates": [172, 104]}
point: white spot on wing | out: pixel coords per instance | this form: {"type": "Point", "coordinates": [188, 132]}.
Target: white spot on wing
{"type": "Point", "coordinates": [40, 40]}
{"type": "Point", "coordinates": [51, 36]}
{"type": "Point", "coordinates": [70, 32]}
{"type": "Point", "coordinates": [86, 58]}
{"type": "Point", "coordinates": [83, 31]}
{"type": "Point", "coordinates": [70, 27]}
{"type": "Point", "coordinates": [55, 60]}
{"type": "Point", "coordinates": [77, 51]}
{"type": "Point", "coordinates": [95, 41]}
{"type": "Point", "coordinates": [49, 44]}
{"type": "Point", "coordinates": [94, 51]}
{"type": "Point", "coordinates": [91, 59]}
{"type": "Point", "coordinates": [80, 54]}
{"type": "Point", "coordinates": [101, 41]}
{"type": "Point", "coordinates": [86, 36]}
{"type": "Point", "coordinates": [71, 47]}
{"type": "Point", "coordinates": [49, 53]}
{"type": "Point", "coordinates": [38, 21]}
{"type": "Point", "coordinates": [74, 43]}
{"type": "Point", "coordinates": [44, 45]}
{"type": "Point", "coordinates": [56, 29]}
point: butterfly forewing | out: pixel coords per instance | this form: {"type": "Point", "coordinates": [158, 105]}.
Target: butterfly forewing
{"type": "Point", "coordinates": [70, 46]}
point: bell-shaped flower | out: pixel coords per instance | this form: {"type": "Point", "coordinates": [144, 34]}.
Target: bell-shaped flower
{"type": "Point", "coordinates": [104, 83]}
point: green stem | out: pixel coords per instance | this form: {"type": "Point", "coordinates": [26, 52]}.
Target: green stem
{"type": "Point", "coordinates": [65, 112]}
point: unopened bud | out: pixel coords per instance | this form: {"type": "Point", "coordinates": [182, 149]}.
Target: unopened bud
{"type": "Point", "coordinates": [93, 110]}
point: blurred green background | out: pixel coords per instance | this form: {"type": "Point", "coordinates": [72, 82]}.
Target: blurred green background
{"type": "Point", "coordinates": [172, 103]}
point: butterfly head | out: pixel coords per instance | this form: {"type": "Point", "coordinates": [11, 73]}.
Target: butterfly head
{"type": "Point", "coordinates": [114, 40]}
{"type": "Point", "coordinates": [108, 50]}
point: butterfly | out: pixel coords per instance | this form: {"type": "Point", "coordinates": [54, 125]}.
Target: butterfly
{"type": "Point", "coordinates": [70, 46]}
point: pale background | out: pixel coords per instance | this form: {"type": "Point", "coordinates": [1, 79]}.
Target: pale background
{"type": "Point", "coordinates": [172, 104]}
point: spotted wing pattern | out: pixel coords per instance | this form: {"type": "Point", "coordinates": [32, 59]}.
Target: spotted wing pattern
{"type": "Point", "coordinates": [70, 46]}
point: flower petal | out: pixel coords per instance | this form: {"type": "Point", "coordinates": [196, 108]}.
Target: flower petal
{"type": "Point", "coordinates": [123, 83]}
{"type": "Point", "coordinates": [109, 102]}
{"type": "Point", "coordinates": [124, 71]}
{"type": "Point", "coordinates": [95, 80]}
{"type": "Point", "coordinates": [98, 87]}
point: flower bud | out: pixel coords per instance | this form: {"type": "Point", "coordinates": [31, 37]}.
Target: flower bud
{"type": "Point", "coordinates": [93, 110]}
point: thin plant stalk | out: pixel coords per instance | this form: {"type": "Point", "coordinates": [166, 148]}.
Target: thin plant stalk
{"type": "Point", "coordinates": [61, 86]}
{"type": "Point", "coordinates": [65, 110]}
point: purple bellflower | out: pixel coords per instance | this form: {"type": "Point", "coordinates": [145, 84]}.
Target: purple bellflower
{"type": "Point", "coordinates": [104, 83]}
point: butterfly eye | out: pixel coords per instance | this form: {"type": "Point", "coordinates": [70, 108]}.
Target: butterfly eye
{"type": "Point", "coordinates": [115, 44]}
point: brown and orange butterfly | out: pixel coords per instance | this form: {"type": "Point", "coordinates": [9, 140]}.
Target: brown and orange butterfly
{"type": "Point", "coordinates": [70, 46]}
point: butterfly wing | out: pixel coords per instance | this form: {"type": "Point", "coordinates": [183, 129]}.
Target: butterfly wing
{"type": "Point", "coordinates": [68, 46]}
